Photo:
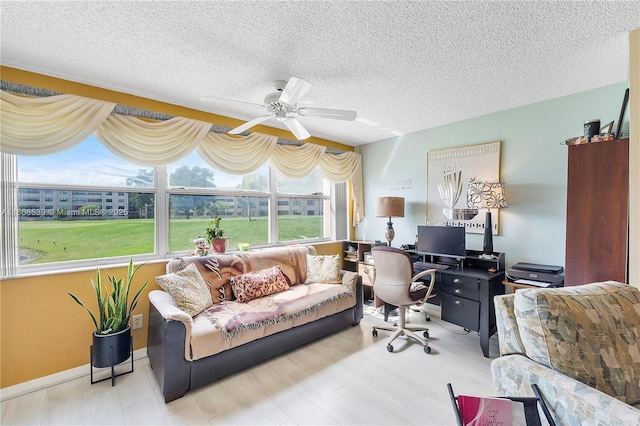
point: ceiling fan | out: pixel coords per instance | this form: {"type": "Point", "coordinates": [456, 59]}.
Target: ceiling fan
{"type": "Point", "coordinates": [283, 105]}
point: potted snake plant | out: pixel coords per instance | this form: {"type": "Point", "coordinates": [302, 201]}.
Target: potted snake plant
{"type": "Point", "coordinates": [112, 337]}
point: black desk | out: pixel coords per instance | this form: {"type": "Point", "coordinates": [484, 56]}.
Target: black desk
{"type": "Point", "coordinates": [466, 294]}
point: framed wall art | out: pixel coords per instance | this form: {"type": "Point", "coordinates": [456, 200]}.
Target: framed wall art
{"type": "Point", "coordinates": [449, 172]}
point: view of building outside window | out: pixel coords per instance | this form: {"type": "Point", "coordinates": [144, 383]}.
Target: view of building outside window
{"type": "Point", "coordinates": [301, 207]}
{"type": "Point", "coordinates": [84, 203]}
{"type": "Point", "coordinates": [87, 203]}
{"type": "Point", "coordinates": [245, 217]}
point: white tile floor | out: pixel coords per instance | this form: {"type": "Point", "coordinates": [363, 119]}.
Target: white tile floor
{"type": "Point", "coordinates": [347, 378]}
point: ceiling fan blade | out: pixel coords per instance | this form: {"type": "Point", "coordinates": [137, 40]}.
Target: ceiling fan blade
{"type": "Point", "coordinates": [296, 128]}
{"type": "Point", "coordinates": [249, 124]}
{"type": "Point", "coordinates": [294, 90]}
{"type": "Point", "coordinates": [337, 114]}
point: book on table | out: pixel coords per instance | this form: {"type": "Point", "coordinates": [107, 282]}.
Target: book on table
{"type": "Point", "coordinates": [486, 411]}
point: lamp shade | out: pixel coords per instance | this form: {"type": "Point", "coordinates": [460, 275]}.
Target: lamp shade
{"type": "Point", "coordinates": [486, 195]}
{"type": "Point", "coordinates": [390, 207]}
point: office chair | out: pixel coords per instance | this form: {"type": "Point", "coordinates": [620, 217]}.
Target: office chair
{"type": "Point", "coordinates": [393, 284]}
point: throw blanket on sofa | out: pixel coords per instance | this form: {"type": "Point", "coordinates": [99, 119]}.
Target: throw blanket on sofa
{"type": "Point", "coordinates": [218, 269]}
{"type": "Point", "coordinates": [233, 317]}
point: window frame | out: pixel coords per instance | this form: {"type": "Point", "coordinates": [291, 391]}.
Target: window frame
{"type": "Point", "coordinates": [162, 191]}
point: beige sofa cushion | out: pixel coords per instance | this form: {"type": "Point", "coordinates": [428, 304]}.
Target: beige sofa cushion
{"type": "Point", "coordinates": [188, 289]}
{"type": "Point", "coordinates": [587, 332]}
{"type": "Point", "coordinates": [323, 269]}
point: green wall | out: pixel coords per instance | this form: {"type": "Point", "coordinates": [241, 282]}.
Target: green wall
{"type": "Point", "coordinates": [533, 168]}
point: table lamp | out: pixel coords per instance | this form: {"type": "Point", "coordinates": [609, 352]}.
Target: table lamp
{"type": "Point", "coordinates": [486, 195]}
{"type": "Point", "coordinates": [389, 207]}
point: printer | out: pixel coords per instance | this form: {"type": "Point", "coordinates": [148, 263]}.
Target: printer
{"type": "Point", "coordinates": [553, 275]}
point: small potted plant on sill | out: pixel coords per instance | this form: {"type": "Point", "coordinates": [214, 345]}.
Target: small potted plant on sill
{"type": "Point", "coordinates": [215, 235]}
{"type": "Point", "coordinates": [112, 323]}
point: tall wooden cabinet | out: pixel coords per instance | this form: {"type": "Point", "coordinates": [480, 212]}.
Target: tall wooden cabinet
{"type": "Point", "coordinates": [597, 212]}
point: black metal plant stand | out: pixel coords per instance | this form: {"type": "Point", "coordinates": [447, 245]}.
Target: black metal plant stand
{"type": "Point", "coordinates": [112, 365]}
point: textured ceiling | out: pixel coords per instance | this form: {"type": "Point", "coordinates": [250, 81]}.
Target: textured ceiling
{"type": "Point", "coordinates": [403, 66]}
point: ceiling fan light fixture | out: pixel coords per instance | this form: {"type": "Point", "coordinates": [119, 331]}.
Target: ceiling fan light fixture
{"type": "Point", "coordinates": [283, 105]}
{"type": "Point", "coordinates": [272, 98]}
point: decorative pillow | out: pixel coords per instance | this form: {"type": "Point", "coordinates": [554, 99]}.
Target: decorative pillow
{"type": "Point", "coordinates": [588, 332]}
{"type": "Point", "coordinates": [188, 289]}
{"type": "Point", "coordinates": [323, 269]}
{"type": "Point", "coordinates": [253, 285]}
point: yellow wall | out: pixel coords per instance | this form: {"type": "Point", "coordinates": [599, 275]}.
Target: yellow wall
{"type": "Point", "coordinates": [45, 332]}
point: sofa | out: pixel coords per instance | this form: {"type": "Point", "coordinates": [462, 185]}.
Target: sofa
{"type": "Point", "coordinates": [262, 303]}
{"type": "Point", "coordinates": [579, 345]}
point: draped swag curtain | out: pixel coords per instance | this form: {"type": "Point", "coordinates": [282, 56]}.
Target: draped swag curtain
{"type": "Point", "coordinates": [43, 126]}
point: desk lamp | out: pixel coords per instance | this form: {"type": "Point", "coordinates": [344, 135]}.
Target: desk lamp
{"type": "Point", "coordinates": [486, 195]}
{"type": "Point", "coordinates": [389, 207]}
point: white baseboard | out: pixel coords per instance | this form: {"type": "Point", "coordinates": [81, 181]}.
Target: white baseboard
{"type": "Point", "coordinates": [55, 379]}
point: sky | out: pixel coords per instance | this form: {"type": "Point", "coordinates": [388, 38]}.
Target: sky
{"type": "Point", "coordinates": [90, 163]}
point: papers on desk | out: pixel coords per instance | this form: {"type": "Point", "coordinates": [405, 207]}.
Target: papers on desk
{"type": "Point", "coordinates": [531, 282]}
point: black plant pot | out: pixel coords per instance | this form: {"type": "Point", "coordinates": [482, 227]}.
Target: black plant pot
{"type": "Point", "coordinates": [111, 349]}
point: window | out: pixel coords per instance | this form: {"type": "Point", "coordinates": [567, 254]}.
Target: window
{"type": "Point", "coordinates": [82, 178]}
{"type": "Point", "coordinates": [297, 221]}
{"type": "Point", "coordinates": [86, 204]}
{"type": "Point", "coordinates": [63, 210]}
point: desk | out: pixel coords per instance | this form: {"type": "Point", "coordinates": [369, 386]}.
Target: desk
{"type": "Point", "coordinates": [467, 293]}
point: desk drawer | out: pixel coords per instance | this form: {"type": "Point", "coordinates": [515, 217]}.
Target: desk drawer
{"type": "Point", "coordinates": [466, 282]}
{"type": "Point", "coordinates": [466, 287]}
{"type": "Point", "coordinates": [461, 291]}
{"type": "Point", "coordinates": [461, 311]}
{"type": "Point", "coordinates": [368, 273]}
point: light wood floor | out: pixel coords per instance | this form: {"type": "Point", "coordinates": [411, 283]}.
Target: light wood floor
{"type": "Point", "coordinates": [347, 378]}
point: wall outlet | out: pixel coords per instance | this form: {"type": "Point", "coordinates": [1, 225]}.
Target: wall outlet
{"type": "Point", "coordinates": [137, 321]}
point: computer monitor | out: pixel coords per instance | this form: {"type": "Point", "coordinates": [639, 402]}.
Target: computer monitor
{"type": "Point", "coordinates": [448, 241]}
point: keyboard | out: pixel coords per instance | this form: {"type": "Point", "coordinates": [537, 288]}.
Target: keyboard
{"type": "Point", "coordinates": [427, 265]}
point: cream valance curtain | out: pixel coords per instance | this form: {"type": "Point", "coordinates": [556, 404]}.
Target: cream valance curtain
{"type": "Point", "coordinates": [151, 143]}
{"type": "Point", "coordinates": [43, 126]}
{"type": "Point", "coordinates": [236, 155]}
{"type": "Point", "coordinates": [295, 162]}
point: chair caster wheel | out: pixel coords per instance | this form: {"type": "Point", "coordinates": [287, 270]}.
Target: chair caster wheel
{"type": "Point", "coordinates": [390, 348]}
{"type": "Point", "coordinates": [427, 350]}
{"type": "Point", "coordinates": [427, 318]}
{"type": "Point", "coordinates": [426, 334]}
{"type": "Point", "coordinates": [467, 329]}
{"type": "Point", "coordinates": [374, 332]}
